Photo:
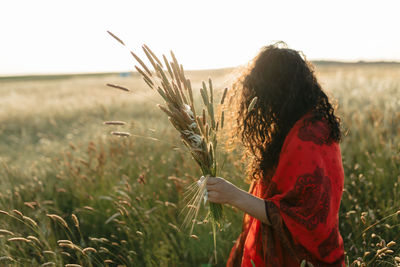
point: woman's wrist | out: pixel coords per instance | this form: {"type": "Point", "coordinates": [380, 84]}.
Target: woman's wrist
{"type": "Point", "coordinates": [250, 204]}
{"type": "Point", "coordinates": [224, 192]}
{"type": "Point", "coordinates": [239, 198]}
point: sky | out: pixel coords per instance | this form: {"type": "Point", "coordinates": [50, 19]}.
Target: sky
{"type": "Point", "coordinates": [69, 36]}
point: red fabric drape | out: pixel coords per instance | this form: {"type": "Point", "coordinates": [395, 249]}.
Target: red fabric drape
{"type": "Point", "coordinates": [302, 201]}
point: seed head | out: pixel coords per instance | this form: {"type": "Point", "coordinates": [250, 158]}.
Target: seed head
{"type": "Point", "coordinates": [123, 134]}
{"type": "Point", "coordinates": [252, 104]}
{"type": "Point", "coordinates": [75, 219]}
{"type": "Point", "coordinates": [89, 249]}
{"type": "Point", "coordinates": [57, 218]}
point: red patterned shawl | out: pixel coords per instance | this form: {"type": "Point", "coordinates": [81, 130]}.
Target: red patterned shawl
{"type": "Point", "coordinates": [302, 201]}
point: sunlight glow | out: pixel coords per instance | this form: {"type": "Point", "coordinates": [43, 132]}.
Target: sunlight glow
{"type": "Point", "coordinates": [48, 36]}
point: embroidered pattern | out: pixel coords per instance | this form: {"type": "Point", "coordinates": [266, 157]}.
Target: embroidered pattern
{"type": "Point", "coordinates": [314, 131]}
{"type": "Point", "coordinates": [308, 202]}
{"type": "Point", "coordinates": [329, 244]}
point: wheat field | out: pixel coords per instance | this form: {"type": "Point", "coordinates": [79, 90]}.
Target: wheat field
{"type": "Point", "coordinates": [72, 193]}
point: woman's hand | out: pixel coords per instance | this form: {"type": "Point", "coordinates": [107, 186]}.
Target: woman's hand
{"type": "Point", "coordinates": [221, 191]}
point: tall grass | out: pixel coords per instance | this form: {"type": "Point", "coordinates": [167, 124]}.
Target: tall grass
{"type": "Point", "coordinates": [74, 194]}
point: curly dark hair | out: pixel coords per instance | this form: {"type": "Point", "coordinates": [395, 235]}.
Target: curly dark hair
{"type": "Point", "coordinates": [286, 89]}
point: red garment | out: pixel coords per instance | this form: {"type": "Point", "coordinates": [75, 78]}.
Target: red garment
{"type": "Point", "coordinates": [302, 202]}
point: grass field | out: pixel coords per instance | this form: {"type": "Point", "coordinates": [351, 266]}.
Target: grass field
{"type": "Point", "coordinates": [74, 194]}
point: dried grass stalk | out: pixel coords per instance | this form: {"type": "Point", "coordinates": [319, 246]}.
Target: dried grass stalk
{"type": "Point", "coordinates": [118, 87]}
{"type": "Point", "coordinates": [114, 122]}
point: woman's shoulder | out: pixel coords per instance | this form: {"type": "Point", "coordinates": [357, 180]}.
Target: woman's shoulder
{"type": "Point", "coordinates": [311, 128]}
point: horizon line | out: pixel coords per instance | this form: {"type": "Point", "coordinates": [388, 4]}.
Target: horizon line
{"type": "Point", "coordinates": [111, 72]}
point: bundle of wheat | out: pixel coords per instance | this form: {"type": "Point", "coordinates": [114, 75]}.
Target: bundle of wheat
{"type": "Point", "coordinates": [198, 132]}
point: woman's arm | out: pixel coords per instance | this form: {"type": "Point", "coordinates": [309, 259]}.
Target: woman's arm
{"type": "Point", "coordinates": [224, 192]}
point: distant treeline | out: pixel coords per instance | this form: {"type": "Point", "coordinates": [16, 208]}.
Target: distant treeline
{"type": "Point", "coordinates": [67, 76]}
{"type": "Point", "coordinates": [53, 76]}
{"type": "Point", "coordinates": [361, 62]}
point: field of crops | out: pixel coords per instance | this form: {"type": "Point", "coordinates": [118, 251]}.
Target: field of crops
{"type": "Point", "coordinates": [71, 193]}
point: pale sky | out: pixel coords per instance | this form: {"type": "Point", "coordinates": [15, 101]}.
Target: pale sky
{"type": "Point", "coordinates": [50, 36]}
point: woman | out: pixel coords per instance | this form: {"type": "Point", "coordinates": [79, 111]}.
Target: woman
{"type": "Point", "coordinates": [292, 135]}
